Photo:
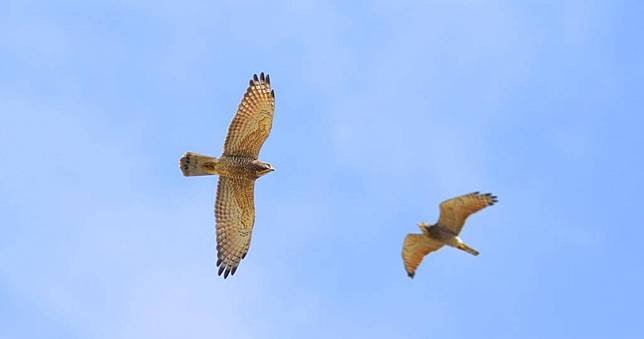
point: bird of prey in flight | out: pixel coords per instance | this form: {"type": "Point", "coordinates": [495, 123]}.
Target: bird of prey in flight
{"type": "Point", "coordinates": [238, 168]}
{"type": "Point", "coordinates": [453, 213]}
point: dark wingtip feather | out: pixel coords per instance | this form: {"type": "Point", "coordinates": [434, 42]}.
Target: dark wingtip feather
{"type": "Point", "coordinates": [234, 270]}
{"type": "Point", "coordinates": [226, 273]}
{"type": "Point", "coordinates": [262, 77]}
{"type": "Point", "coordinates": [244, 255]}
{"type": "Point", "coordinates": [411, 274]}
{"type": "Point", "coordinates": [250, 82]}
{"type": "Point", "coordinates": [494, 198]}
{"type": "Point", "coordinates": [273, 93]}
{"type": "Point", "coordinates": [268, 79]}
{"type": "Point", "coordinates": [221, 269]}
{"type": "Point", "coordinates": [255, 77]}
{"type": "Point", "coordinates": [219, 262]}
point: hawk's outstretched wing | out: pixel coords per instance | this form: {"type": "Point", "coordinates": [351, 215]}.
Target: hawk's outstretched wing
{"type": "Point", "coordinates": [253, 121]}
{"type": "Point", "coordinates": [455, 211]}
{"type": "Point", "coordinates": [415, 248]}
{"type": "Point", "coordinates": [235, 215]}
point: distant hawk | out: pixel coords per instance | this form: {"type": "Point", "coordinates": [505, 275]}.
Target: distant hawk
{"type": "Point", "coordinates": [453, 213]}
{"type": "Point", "coordinates": [238, 168]}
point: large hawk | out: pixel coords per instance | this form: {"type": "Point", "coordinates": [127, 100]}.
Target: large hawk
{"type": "Point", "coordinates": [453, 213]}
{"type": "Point", "coordinates": [238, 168]}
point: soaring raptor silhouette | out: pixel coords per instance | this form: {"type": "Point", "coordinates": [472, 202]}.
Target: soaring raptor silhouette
{"type": "Point", "coordinates": [238, 168]}
{"type": "Point", "coordinates": [453, 213]}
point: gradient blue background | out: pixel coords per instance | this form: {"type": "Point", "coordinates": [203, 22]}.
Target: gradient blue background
{"type": "Point", "coordinates": [384, 109]}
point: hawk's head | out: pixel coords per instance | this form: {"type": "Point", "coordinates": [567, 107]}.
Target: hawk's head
{"type": "Point", "coordinates": [262, 168]}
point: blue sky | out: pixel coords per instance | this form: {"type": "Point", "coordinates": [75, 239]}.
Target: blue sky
{"type": "Point", "coordinates": [384, 109]}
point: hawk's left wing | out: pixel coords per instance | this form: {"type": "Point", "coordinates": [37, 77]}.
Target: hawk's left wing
{"type": "Point", "coordinates": [253, 121]}
{"type": "Point", "coordinates": [455, 211]}
{"type": "Point", "coordinates": [235, 214]}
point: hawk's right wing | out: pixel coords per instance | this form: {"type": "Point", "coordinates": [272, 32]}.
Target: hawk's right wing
{"type": "Point", "coordinates": [235, 215]}
{"type": "Point", "coordinates": [415, 248]}
{"type": "Point", "coordinates": [253, 121]}
{"type": "Point", "coordinates": [455, 211]}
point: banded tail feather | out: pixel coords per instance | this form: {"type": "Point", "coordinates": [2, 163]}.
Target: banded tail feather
{"type": "Point", "coordinates": [193, 164]}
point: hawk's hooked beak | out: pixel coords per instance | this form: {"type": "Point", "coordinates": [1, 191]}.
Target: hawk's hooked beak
{"type": "Point", "coordinates": [268, 170]}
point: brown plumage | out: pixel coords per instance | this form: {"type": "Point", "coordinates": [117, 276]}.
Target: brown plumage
{"type": "Point", "coordinates": [238, 168]}
{"type": "Point", "coordinates": [453, 213]}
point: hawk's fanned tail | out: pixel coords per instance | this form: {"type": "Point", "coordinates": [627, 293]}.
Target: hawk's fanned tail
{"type": "Point", "coordinates": [466, 248]}
{"type": "Point", "coordinates": [193, 164]}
